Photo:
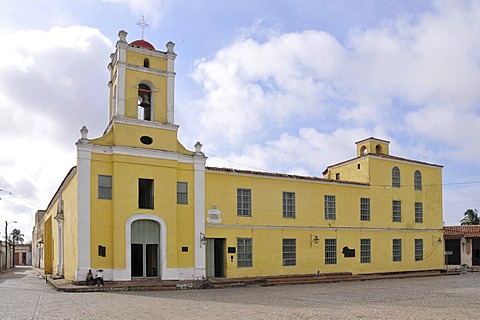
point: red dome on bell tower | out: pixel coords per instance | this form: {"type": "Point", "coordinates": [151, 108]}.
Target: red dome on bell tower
{"type": "Point", "coordinates": [142, 44]}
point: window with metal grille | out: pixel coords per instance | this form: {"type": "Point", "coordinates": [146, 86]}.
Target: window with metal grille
{"type": "Point", "coordinates": [289, 249]}
{"type": "Point", "coordinates": [244, 202]}
{"type": "Point", "coordinates": [365, 251]}
{"type": "Point", "coordinates": [182, 193]}
{"type": "Point", "coordinates": [244, 252]}
{"type": "Point", "coordinates": [330, 211]}
{"type": "Point", "coordinates": [145, 193]}
{"type": "Point", "coordinates": [104, 187]}
{"type": "Point", "coordinates": [397, 210]}
{"type": "Point", "coordinates": [397, 250]}
{"type": "Point", "coordinates": [289, 204]}
{"type": "Point", "coordinates": [365, 209]}
{"type": "Point", "coordinates": [417, 180]}
{"type": "Point", "coordinates": [396, 177]}
{"type": "Point", "coordinates": [418, 212]}
{"type": "Point", "coordinates": [418, 249]}
{"type": "Point", "coordinates": [330, 251]}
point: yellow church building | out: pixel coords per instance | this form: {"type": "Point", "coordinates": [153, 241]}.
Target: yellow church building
{"type": "Point", "coordinates": [138, 204]}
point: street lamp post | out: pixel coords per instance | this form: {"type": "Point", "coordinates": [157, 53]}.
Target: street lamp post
{"type": "Point", "coordinates": [6, 243]}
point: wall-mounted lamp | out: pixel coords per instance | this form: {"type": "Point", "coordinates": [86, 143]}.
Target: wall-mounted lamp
{"type": "Point", "coordinates": [439, 240]}
{"type": "Point", "coordinates": [314, 239]}
{"type": "Point", "coordinates": [203, 239]}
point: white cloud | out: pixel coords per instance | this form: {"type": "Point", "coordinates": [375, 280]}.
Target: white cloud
{"type": "Point", "coordinates": [420, 72]}
{"type": "Point", "coordinates": [53, 83]}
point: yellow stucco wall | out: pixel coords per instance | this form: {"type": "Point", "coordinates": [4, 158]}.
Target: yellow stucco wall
{"type": "Point", "coordinates": [267, 227]}
{"type": "Point", "coordinates": [109, 217]}
{"type": "Point", "coordinates": [70, 227]}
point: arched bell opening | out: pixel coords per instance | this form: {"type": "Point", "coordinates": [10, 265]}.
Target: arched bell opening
{"type": "Point", "coordinates": [144, 102]}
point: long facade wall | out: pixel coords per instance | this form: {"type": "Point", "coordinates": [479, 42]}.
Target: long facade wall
{"type": "Point", "coordinates": [267, 228]}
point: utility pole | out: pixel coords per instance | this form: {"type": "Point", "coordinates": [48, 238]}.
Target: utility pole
{"type": "Point", "coordinates": [6, 243]}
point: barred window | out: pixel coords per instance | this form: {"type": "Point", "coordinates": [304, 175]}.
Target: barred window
{"type": "Point", "coordinates": [289, 252]}
{"type": "Point", "coordinates": [397, 250]}
{"type": "Point", "coordinates": [104, 187]}
{"type": "Point", "coordinates": [417, 180]}
{"type": "Point", "coordinates": [330, 211]}
{"type": "Point", "coordinates": [289, 204]}
{"type": "Point", "coordinates": [365, 251]}
{"type": "Point", "coordinates": [418, 212]}
{"type": "Point", "coordinates": [244, 202]}
{"type": "Point", "coordinates": [330, 251]}
{"type": "Point", "coordinates": [396, 177]}
{"type": "Point", "coordinates": [244, 252]}
{"type": "Point", "coordinates": [182, 193]}
{"type": "Point", "coordinates": [397, 210]}
{"type": "Point", "coordinates": [365, 209]}
{"type": "Point", "coordinates": [418, 249]}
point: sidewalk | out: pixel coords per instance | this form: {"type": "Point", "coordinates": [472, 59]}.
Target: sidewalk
{"type": "Point", "coordinates": [61, 284]}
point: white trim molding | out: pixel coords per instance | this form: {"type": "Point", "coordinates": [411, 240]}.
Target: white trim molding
{"type": "Point", "coordinates": [84, 156]}
{"type": "Point", "coordinates": [199, 160]}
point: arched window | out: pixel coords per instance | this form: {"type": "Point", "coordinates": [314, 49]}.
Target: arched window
{"type": "Point", "coordinates": [378, 149]}
{"type": "Point", "coordinates": [396, 177]}
{"type": "Point", "coordinates": [363, 150]}
{"type": "Point", "coordinates": [146, 63]}
{"type": "Point", "coordinates": [417, 180]}
{"type": "Point", "coordinates": [144, 102]}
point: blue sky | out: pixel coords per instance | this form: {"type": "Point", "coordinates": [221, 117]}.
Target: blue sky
{"type": "Point", "coordinates": [284, 86]}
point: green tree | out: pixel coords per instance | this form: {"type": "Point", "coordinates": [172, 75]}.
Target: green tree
{"type": "Point", "coordinates": [470, 217]}
{"type": "Point", "coordinates": [17, 236]}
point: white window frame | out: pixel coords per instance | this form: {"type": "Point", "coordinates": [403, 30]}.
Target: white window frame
{"type": "Point", "coordinates": [417, 180]}
{"type": "Point", "coordinates": [330, 251]}
{"type": "Point", "coordinates": [396, 183]}
{"type": "Point", "coordinates": [244, 202]}
{"type": "Point", "coordinates": [244, 252]}
{"type": "Point", "coordinates": [104, 187]}
{"type": "Point", "coordinates": [365, 251]}
{"type": "Point", "coordinates": [182, 192]}
{"type": "Point", "coordinates": [418, 249]}
{"type": "Point", "coordinates": [397, 250]}
{"type": "Point", "coordinates": [396, 210]}
{"type": "Point", "coordinates": [288, 204]}
{"type": "Point", "coordinates": [289, 252]}
{"type": "Point", "coordinates": [330, 207]}
{"type": "Point", "coordinates": [418, 212]}
{"type": "Point", "coordinates": [364, 209]}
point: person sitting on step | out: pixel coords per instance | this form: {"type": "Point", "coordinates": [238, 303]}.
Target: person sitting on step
{"type": "Point", "coordinates": [99, 278]}
{"type": "Point", "coordinates": [89, 280]}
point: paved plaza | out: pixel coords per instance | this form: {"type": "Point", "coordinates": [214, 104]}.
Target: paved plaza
{"type": "Point", "coordinates": [24, 295]}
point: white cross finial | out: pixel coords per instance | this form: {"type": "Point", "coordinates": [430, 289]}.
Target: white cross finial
{"type": "Point", "coordinates": [142, 24]}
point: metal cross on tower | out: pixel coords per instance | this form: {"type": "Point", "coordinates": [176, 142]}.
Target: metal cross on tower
{"type": "Point", "coordinates": [142, 24]}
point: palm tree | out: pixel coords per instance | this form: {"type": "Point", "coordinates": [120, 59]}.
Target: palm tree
{"type": "Point", "coordinates": [17, 236]}
{"type": "Point", "coordinates": [470, 217]}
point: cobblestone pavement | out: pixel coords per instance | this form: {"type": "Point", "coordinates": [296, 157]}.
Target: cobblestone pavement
{"type": "Point", "coordinates": [24, 295]}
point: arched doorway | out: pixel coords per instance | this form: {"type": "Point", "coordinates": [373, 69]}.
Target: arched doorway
{"type": "Point", "coordinates": [145, 245]}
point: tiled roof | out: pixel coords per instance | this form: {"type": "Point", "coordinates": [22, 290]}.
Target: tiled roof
{"type": "Point", "coordinates": [282, 175]}
{"type": "Point", "coordinates": [387, 156]}
{"type": "Point", "coordinates": [455, 232]}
